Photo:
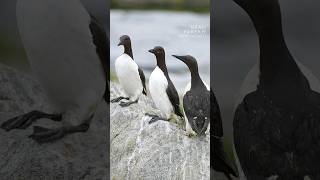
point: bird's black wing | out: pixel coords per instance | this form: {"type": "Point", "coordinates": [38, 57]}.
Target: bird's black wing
{"type": "Point", "coordinates": [101, 41]}
{"type": "Point", "coordinates": [216, 123]}
{"type": "Point", "coordinates": [197, 109]}
{"type": "Point", "coordinates": [143, 81]}
{"type": "Point", "coordinates": [219, 161]}
{"type": "Point", "coordinates": [174, 98]}
{"type": "Point", "coordinates": [307, 137]}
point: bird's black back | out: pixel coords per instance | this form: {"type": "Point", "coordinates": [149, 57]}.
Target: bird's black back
{"type": "Point", "coordinates": [196, 104]}
{"type": "Point", "coordinates": [173, 96]}
{"type": "Point", "coordinates": [101, 41]}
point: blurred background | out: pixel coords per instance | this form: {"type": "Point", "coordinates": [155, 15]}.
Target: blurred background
{"type": "Point", "coordinates": [184, 5]}
{"type": "Point", "coordinates": [11, 50]}
{"type": "Point", "coordinates": [181, 27]}
{"type": "Point", "coordinates": [235, 46]}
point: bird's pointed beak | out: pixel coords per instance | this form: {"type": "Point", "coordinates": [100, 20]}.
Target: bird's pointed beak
{"type": "Point", "coordinates": [181, 58]}
{"type": "Point", "coordinates": [120, 43]}
{"type": "Point", "coordinates": [151, 51]}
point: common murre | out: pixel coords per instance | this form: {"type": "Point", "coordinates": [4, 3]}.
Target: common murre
{"type": "Point", "coordinates": [162, 90]}
{"type": "Point", "coordinates": [196, 100]}
{"type": "Point", "coordinates": [130, 76]}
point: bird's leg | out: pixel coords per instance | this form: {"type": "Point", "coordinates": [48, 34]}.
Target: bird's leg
{"type": "Point", "coordinates": [126, 104]}
{"type": "Point", "coordinates": [151, 115]}
{"type": "Point", "coordinates": [157, 118]}
{"type": "Point", "coordinates": [23, 121]}
{"type": "Point", "coordinates": [189, 130]}
{"type": "Point", "coordinates": [44, 135]}
{"type": "Point", "coordinates": [119, 99]}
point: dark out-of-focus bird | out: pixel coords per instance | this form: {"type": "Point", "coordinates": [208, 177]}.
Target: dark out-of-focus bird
{"type": "Point", "coordinates": [276, 124]}
{"type": "Point", "coordinates": [219, 161]}
{"type": "Point", "coordinates": [68, 51]}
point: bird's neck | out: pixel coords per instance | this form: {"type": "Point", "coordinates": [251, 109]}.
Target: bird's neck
{"type": "Point", "coordinates": [128, 50]}
{"type": "Point", "coordinates": [161, 63]}
{"type": "Point", "coordinates": [276, 62]}
{"type": "Point", "coordinates": [195, 78]}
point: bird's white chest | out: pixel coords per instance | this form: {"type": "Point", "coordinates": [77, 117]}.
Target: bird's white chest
{"type": "Point", "coordinates": [60, 49]}
{"type": "Point", "coordinates": [158, 85]}
{"type": "Point", "coordinates": [128, 75]}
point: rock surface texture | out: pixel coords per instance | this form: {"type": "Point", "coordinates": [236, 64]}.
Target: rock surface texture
{"type": "Point", "coordinates": [76, 156]}
{"type": "Point", "coordinates": [161, 150]}
{"type": "Point", "coordinates": [138, 150]}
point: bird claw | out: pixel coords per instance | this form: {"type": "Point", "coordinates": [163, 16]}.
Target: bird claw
{"type": "Point", "coordinates": [115, 100]}
{"type": "Point", "coordinates": [126, 104]}
{"type": "Point", "coordinates": [13, 123]}
{"type": "Point", "coordinates": [156, 118]}
{"type": "Point", "coordinates": [24, 121]}
{"type": "Point", "coordinates": [119, 99]}
{"type": "Point", "coordinates": [44, 135]}
{"type": "Point", "coordinates": [190, 134]}
{"type": "Point", "coordinates": [20, 122]}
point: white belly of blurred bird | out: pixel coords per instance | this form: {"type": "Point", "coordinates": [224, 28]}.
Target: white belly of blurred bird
{"type": "Point", "coordinates": [61, 52]}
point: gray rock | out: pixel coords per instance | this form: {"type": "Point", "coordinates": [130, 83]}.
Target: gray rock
{"type": "Point", "coordinates": [157, 151]}
{"type": "Point", "coordinates": [76, 156]}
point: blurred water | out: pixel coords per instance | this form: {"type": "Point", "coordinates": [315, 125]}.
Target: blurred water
{"type": "Point", "coordinates": [179, 33]}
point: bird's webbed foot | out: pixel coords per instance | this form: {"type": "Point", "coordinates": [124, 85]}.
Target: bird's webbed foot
{"type": "Point", "coordinates": [119, 99]}
{"type": "Point", "coordinates": [126, 104]}
{"type": "Point", "coordinates": [44, 135]}
{"type": "Point", "coordinates": [24, 121]}
{"type": "Point", "coordinates": [157, 118]}
{"type": "Point", "coordinates": [190, 134]}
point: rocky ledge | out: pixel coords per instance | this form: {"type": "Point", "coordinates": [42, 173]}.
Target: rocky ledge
{"type": "Point", "coordinates": [161, 150]}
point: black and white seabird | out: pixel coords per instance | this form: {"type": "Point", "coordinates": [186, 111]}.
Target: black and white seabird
{"type": "Point", "coordinates": [196, 100]}
{"type": "Point", "coordinates": [162, 90]}
{"type": "Point", "coordinates": [201, 106]}
{"type": "Point", "coordinates": [69, 53]}
{"type": "Point", "coordinates": [130, 76]}
{"type": "Point", "coordinates": [277, 123]}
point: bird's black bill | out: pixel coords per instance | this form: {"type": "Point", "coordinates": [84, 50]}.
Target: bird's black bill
{"type": "Point", "coordinates": [178, 57]}
{"type": "Point", "coordinates": [181, 58]}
